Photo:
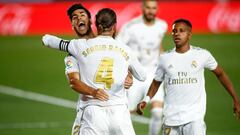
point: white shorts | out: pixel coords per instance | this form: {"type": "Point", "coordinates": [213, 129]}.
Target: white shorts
{"type": "Point", "coordinates": [109, 120]}
{"type": "Point", "coordinates": [138, 91]}
{"type": "Point", "coordinates": [193, 128]}
{"type": "Point", "coordinates": [77, 123]}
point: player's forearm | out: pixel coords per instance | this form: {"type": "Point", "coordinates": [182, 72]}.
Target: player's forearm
{"type": "Point", "coordinates": [153, 88]}
{"type": "Point", "coordinates": [137, 71]}
{"type": "Point", "coordinates": [81, 87]}
{"type": "Point", "coordinates": [55, 42]}
{"type": "Point", "coordinates": [228, 85]}
{"type": "Point", "coordinates": [225, 81]}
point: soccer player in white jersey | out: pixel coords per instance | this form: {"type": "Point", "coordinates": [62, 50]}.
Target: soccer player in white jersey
{"type": "Point", "coordinates": [80, 19]}
{"type": "Point", "coordinates": [104, 64]}
{"type": "Point", "coordinates": [144, 34]}
{"type": "Point", "coordinates": [182, 71]}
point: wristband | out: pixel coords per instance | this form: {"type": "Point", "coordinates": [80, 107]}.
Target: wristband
{"type": "Point", "coordinates": [146, 99]}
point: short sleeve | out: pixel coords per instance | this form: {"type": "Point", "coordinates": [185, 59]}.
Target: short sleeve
{"type": "Point", "coordinates": [75, 46]}
{"type": "Point", "coordinates": [210, 62]}
{"type": "Point", "coordinates": [136, 68]}
{"type": "Point", "coordinates": [159, 74]}
{"type": "Point", "coordinates": [71, 64]}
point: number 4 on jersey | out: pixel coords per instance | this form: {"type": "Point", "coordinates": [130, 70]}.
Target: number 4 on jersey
{"type": "Point", "coordinates": [104, 73]}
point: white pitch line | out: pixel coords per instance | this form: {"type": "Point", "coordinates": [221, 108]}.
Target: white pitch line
{"type": "Point", "coordinates": [35, 125]}
{"type": "Point", "coordinates": [37, 97]}
{"type": "Point", "coordinates": [54, 100]}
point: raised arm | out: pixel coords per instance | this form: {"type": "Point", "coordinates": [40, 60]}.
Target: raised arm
{"type": "Point", "coordinates": [55, 42]}
{"type": "Point", "coordinates": [225, 81]}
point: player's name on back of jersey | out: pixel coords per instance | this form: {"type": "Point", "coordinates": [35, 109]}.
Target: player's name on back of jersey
{"type": "Point", "coordinates": [95, 48]}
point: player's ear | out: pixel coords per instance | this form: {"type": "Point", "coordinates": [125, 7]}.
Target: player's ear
{"type": "Point", "coordinates": [73, 23]}
{"type": "Point", "coordinates": [190, 35]}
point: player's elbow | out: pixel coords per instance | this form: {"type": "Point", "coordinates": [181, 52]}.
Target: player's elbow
{"type": "Point", "coordinates": [72, 83]}
{"type": "Point", "coordinates": [142, 77]}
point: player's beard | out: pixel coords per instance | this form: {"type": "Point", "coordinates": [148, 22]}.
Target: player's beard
{"type": "Point", "coordinates": [150, 17]}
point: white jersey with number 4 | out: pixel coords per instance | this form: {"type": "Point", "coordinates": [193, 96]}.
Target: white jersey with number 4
{"type": "Point", "coordinates": [183, 76]}
{"type": "Point", "coordinates": [104, 64]}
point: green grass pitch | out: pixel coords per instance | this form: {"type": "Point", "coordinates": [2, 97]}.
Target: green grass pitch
{"type": "Point", "coordinates": [27, 65]}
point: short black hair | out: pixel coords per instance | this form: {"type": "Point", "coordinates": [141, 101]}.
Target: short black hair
{"type": "Point", "coordinates": [105, 18]}
{"type": "Point", "coordinates": [181, 20]}
{"type": "Point", "coordinates": [75, 7]}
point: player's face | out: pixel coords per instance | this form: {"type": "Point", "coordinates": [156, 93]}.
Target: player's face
{"type": "Point", "coordinates": [181, 34]}
{"type": "Point", "coordinates": [80, 22]}
{"type": "Point", "coordinates": [150, 10]}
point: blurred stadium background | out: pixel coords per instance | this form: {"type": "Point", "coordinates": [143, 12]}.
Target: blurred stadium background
{"type": "Point", "coordinates": [34, 94]}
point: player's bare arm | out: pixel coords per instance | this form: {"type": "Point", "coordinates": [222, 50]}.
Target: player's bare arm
{"type": "Point", "coordinates": [98, 94]}
{"type": "Point", "coordinates": [223, 78]}
{"type": "Point", "coordinates": [128, 80]}
{"type": "Point", "coordinates": [83, 88]}
{"type": "Point", "coordinates": [73, 75]}
{"type": "Point", "coordinates": [151, 92]}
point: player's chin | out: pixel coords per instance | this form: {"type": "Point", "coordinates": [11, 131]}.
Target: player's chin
{"type": "Point", "coordinates": [82, 31]}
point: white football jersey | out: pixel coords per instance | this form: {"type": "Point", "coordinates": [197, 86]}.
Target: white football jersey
{"type": "Point", "coordinates": [144, 40]}
{"type": "Point", "coordinates": [104, 64]}
{"type": "Point", "coordinates": [71, 65]}
{"type": "Point", "coordinates": [183, 76]}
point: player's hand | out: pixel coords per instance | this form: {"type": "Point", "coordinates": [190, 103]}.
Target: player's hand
{"type": "Point", "coordinates": [236, 109]}
{"type": "Point", "coordinates": [140, 107]}
{"type": "Point", "coordinates": [100, 94]}
{"type": "Point", "coordinates": [45, 39]}
{"type": "Point", "coordinates": [128, 81]}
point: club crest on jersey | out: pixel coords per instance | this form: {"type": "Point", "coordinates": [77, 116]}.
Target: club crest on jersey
{"type": "Point", "coordinates": [69, 64]}
{"type": "Point", "coordinates": [194, 64]}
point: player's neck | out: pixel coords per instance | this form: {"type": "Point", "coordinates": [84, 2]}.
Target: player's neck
{"type": "Point", "coordinates": [106, 33]}
{"type": "Point", "coordinates": [149, 22]}
{"type": "Point", "coordinates": [183, 49]}
{"type": "Point", "coordinates": [88, 35]}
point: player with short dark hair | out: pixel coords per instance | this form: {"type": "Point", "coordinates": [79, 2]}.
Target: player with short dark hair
{"type": "Point", "coordinates": [80, 19]}
{"type": "Point", "coordinates": [182, 71]}
{"type": "Point", "coordinates": [104, 64]}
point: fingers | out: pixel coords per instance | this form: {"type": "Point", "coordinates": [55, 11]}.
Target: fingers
{"type": "Point", "coordinates": [101, 95]}
{"type": "Point", "coordinates": [140, 107]}
{"type": "Point", "coordinates": [139, 111]}
{"type": "Point", "coordinates": [128, 81]}
{"type": "Point", "coordinates": [236, 110]}
{"type": "Point", "coordinates": [127, 84]}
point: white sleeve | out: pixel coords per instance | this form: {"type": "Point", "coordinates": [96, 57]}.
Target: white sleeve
{"type": "Point", "coordinates": [137, 69]}
{"type": "Point", "coordinates": [159, 74]}
{"type": "Point", "coordinates": [210, 63]}
{"type": "Point", "coordinates": [124, 35]}
{"type": "Point", "coordinates": [71, 64]}
{"type": "Point", "coordinates": [60, 44]}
